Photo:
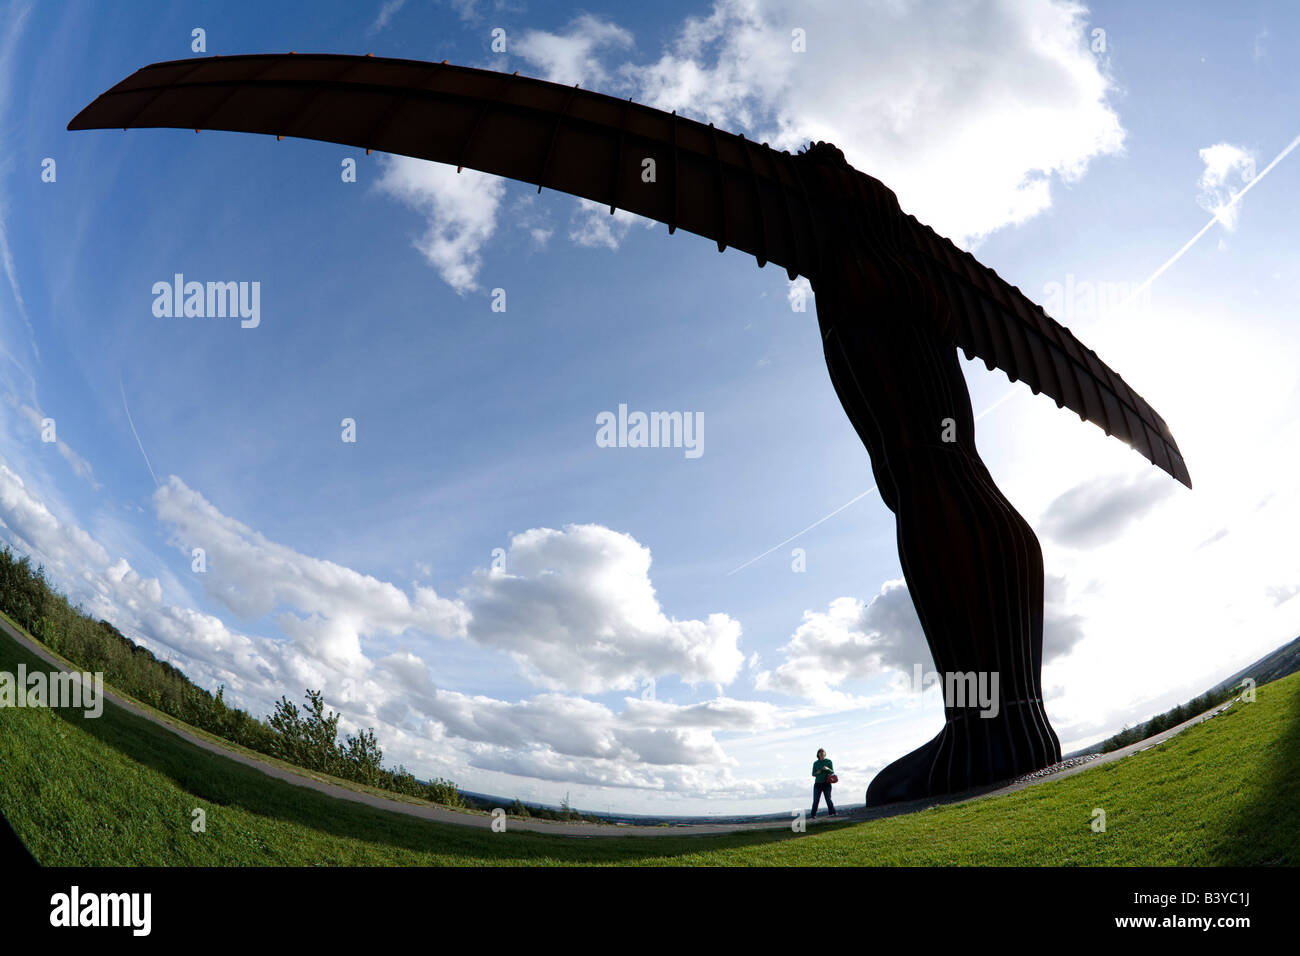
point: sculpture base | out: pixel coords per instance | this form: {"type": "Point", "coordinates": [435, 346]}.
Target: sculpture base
{"type": "Point", "coordinates": [971, 751]}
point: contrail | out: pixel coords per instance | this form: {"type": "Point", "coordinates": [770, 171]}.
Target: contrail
{"type": "Point", "coordinates": [1006, 397]}
{"type": "Point", "coordinates": [804, 531]}
{"type": "Point", "coordinates": [1014, 391]}
{"type": "Point", "coordinates": [134, 432]}
{"type": "Point", "coordinates": [1218, 215]}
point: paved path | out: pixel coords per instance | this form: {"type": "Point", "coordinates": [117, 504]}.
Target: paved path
{"type": "Point", "coordinates": [484, 821]}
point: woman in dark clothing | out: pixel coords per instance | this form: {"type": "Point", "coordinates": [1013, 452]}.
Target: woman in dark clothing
{"type": "Point", "coordinates": [822, 771]}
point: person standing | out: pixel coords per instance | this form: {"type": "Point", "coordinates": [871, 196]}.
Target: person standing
{"type": "Point", "coordinates": [822, 771]}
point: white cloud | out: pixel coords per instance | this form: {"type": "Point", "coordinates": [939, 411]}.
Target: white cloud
{"type": "Point", "coordinates": [468, 9]}
{"type": "Point", "coordinates": [592, 225]}
{"type": "Point", "coordinates": [720, 713]}
{"type": "Point", "coordinates": [36, 418]}
{"type": "Point", "coordinates": [1099, 510]}
{"type": "Point", "coordinates": [799, 293]}
{"type": "Point", "coordinates": [849, 641]}
{"type": "Point", "coordinates": [572, 727]}
{"type": "Point", "coordinates": [1228, 169]}
{"type": "Point", "coordinates": [529, 216]}
{"type": "Point", "coordinates": [852, 640]}
{"type": "Point", "coordinates": [330, 607]}
{"type": "Point", "coordinates": [388, 10]}
{"type": "Point", "coordinates": [582, 577]}
{"type": "Point", "coordinates": [256, 669]}
{"type": "Point", "coordinates": [58, 546]}
{"type": "Point", "coordinates": [573, 56]}
{"type": "Point", "coordinates": [965, 110]}
{"type": "Point", "coordinates": [577, 610]}
{"type": "Point", "coordinates": [461, 210]}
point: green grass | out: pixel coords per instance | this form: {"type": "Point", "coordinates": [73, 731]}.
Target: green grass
{"type": "Point", "coordinates": [163, 717]}
{"type": "Point", "coordinates": [120, 790]}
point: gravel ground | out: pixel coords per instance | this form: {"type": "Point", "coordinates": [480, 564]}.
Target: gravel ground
{"type": "Point", "coordinates": [1057, 768]}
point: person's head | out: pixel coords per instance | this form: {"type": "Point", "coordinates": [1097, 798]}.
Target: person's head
{"type": "Point", "coordinates": [821, 754]}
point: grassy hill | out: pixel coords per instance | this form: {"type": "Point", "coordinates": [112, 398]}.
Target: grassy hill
{"type": "Point", "coordinates": [121, 790]}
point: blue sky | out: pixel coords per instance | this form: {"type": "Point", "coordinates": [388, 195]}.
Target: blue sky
{"type": "Point", "coordinates": [615, 653]}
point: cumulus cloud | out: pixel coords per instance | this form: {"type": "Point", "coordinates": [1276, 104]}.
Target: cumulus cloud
{"type": "Point", "coordinates": [37, 531]}
{"type": "Point", "coordinates": [1228, 170]}
{"type": "Point", "coordinates": [257, 670]}
{"type": "Point", "coordinates": [592, 225]}
{"type": "Point", "coordinates": [799, 293]}
{"type": "Point", "coordinates": [329, 607]}
{"type": "Point", "coordinates": [577, 610]}
{"type": "Point", "coordinates": [850, 640]}
{"type": "Point", "coordinates": [574, 55]}
{"type": "Point", "coordinates": [557, 737]}
{"type": "Point", "coordinates": [107, 588]}
{"type": "Point", "coordinates": [855, 640]}
{"type": "Point", "coordinates": [461, 210]}
{"type": "Point", "coordinates": [1098, 511]}
{"type": "Point", "coordinates": [572, 727]}
{"type": "Point", "coordinates": [574, 608]}
{"type": "Point", "coordinates": [966, 110]}
{"type": "Point", "coordinates": [577, 593]}
{"type": "Point", "coordinates": [560, 768]}
{"type": "Point", "coordinates": [721, 713]}
{"type": "Point", "coordinates": [587, 745]}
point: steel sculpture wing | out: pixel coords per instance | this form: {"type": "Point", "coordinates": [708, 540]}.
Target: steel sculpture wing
{"type": "Point", "coordinates": [1000, 324]}
{"type": "Point", "coordinates": [706, 181]}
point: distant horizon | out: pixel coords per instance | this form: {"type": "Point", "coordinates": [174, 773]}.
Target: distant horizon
{"type": "Point", "coordinates": [1235, 679]}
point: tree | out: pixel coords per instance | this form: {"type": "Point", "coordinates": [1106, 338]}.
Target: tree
{"type": "Point", "coordinates": [310, 738]}
{"type": "Point", "coordinates": [363, 758]}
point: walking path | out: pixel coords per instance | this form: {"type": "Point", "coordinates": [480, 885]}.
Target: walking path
{"type": "Point", "coordinates": [484, 821]}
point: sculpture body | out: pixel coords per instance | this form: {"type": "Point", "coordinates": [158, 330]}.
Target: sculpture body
{"type": "Point", "coordinates": [972, 564]}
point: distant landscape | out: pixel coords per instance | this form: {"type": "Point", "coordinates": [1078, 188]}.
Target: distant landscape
{"type": "Point", "coordinates": [308, 738]}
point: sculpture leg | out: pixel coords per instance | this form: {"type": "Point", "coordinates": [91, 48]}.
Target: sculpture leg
{"type": "Point", "coordinates": [973, 565]}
